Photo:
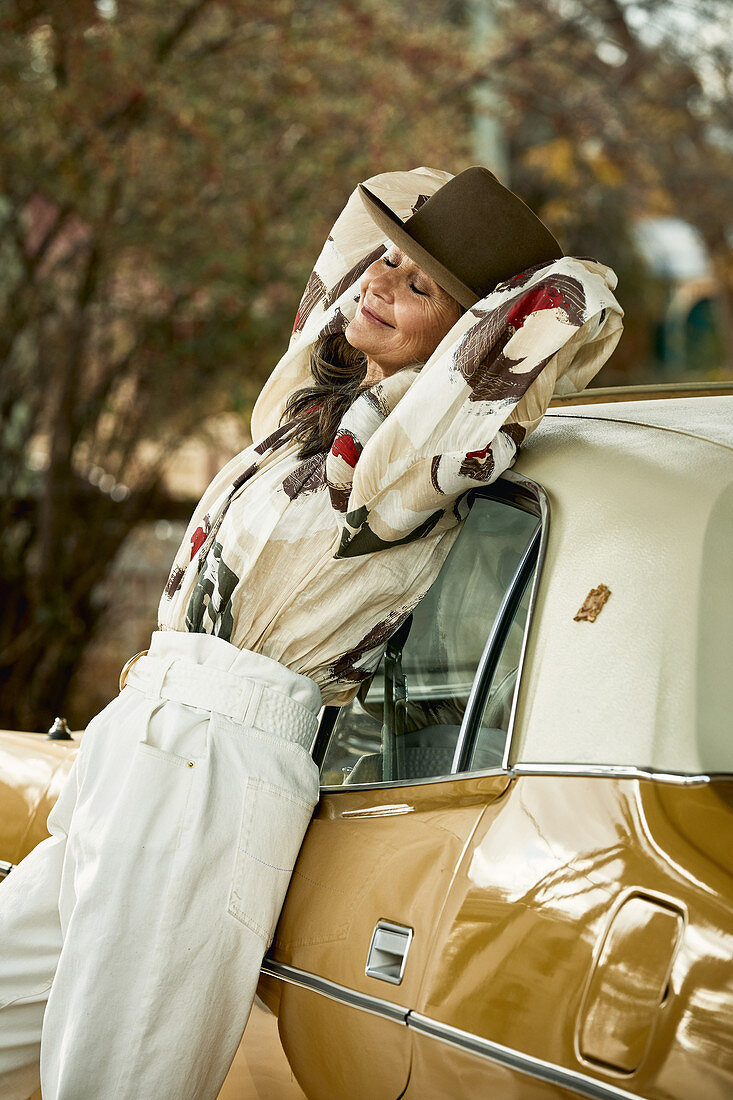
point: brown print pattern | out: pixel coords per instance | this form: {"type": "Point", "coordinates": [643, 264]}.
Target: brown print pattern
{"type": "Point", "coordinates": [519, 280]}
{"type": "Point", "coordinates": [309, 477]}
{"type": "Point", "coordinates": [483, 341]}
{"type": "Point", "coordinates": [562, 293]}
{"type": "Point", "coordinates": [515, 432]}
{"type": "Point", "coordinates": [353, 275]}
{"type": "Point", "coordinates": [336, 325]}
{"type": "Point", "coordinates": [500, 382]}
{"type": "Point", "coordinates": [480, 358]}
{"type": "Point", "coordinates": [377, 400]}
{"type": "Point", "coordinates": [344, 669]}
{"type": "Point", "coordinates": [272, 439]}
{"type": "Point", "coordinates": [434, 467]}
{"type": "Point", "coordinates": [573, 295]}
{"type": "Point", "coordinates": [339, 498]}
{"type": "Point", "coordinates": [174, 582]}
{"type": "Point", "coordinates": [478, 465]}
{"type": "Point", "coordinates": [315, 290]}
{"type": "Point", "coordinates": [359, 538]}
{"type": "Point", "coordinates": [244, 477]}
{"type": "Point", "coordinates": [461, 507]}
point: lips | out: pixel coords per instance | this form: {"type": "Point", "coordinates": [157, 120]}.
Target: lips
{"type": "Point", "coordinates": [374, 318]}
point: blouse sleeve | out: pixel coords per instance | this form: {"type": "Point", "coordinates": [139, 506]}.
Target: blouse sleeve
{"type": "Point", "coordinates": [398, 470]}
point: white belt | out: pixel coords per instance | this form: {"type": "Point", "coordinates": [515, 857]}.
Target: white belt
{"type": "Point", "coordinates": [248, 701]}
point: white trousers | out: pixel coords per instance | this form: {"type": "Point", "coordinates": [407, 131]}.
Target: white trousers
{"type": "Point", "coordinates": [131, 939]}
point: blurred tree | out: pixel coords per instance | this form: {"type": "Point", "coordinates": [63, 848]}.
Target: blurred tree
{"type": "Point", "coordinates": [614, 109]}
{"type": "Point", "coordinates": [168, 171]}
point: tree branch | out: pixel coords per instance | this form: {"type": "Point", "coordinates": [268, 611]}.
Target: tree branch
{"type": "Point", "coordinates": [188, 17]}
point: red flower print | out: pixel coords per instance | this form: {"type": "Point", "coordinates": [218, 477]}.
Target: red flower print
{"type": "Point", "coordinates": [478, 454]}
{"type": "Point", "coordinates": [542, 297]}
{"type": "Point", "coordinates": [346, 447]}
{"type": "Point", "coordinates": [198, 538]}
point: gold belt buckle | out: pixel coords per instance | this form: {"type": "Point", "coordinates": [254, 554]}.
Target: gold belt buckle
{"type": "Point", "coordinates": [125, 671]}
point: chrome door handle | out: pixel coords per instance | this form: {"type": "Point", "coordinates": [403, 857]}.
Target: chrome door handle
{"type": "Point", "coordinates": [388, 951]}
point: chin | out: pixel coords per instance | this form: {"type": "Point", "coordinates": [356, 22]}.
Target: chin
{"type": "Point", "coordinates": [353, 337]}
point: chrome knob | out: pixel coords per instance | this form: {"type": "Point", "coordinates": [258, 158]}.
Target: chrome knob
{"type": "Point", "coordinates": [60, 731]}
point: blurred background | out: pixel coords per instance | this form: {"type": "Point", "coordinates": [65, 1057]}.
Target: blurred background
{"type": "Point", "coordinates": [168, 172]}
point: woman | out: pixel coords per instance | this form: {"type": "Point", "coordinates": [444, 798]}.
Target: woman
{"type": "Point", "coordinates": [130, 940]}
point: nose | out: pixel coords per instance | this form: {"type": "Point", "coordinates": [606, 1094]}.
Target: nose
{"type": "Point", "coordinates": [379, 281]}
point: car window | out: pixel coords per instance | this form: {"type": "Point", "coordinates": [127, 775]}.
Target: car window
{"type": "Point", "coordinates": [406, 724]}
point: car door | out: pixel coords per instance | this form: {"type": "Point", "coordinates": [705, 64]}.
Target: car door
{"type": "Point", "coordinates": [407, 774]}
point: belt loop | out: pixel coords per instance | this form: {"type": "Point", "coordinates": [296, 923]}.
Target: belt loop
{"type": "Point", "coordinates": [158, 674]}
{"type": "Point", "coordinates": [252, 706]}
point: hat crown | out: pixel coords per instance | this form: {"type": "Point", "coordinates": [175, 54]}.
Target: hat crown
{"type": "Point", "coordinates": [471, 234]}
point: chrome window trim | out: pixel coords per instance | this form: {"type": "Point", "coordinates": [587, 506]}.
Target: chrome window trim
{"type": "Point", "coordinates": [534, 490]}
{"type": "Point", "coordinates": [495, 1052]}
{"type": "Point", "coordinates": [517, 771]}
{"type": "Point", "coordinates": [401, 784]}
{"type": "Point", "coordinates": [514, 1059]}
{"type": "Point", "coordinates": [612, 771]}
{"type": "Point", "coordinates": [476, 698]}
{"type": "Point", "coordinates": [534, 496]}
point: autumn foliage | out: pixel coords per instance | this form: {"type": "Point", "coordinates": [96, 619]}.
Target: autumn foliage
{"type": "Point", "coordinates": [168, 171]}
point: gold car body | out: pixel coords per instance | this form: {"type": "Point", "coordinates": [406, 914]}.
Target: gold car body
{"type": "Point", "coordinates": [32, 772]}
{"type": "Point", "coordinates": [568, 914]}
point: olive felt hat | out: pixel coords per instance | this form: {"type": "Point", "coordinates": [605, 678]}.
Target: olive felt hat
{"type": "Point", "coordinates": [470, 235]}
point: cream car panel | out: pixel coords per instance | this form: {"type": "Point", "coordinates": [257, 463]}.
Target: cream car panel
{"type": "Point", "coordinates": [659, 658]}
{"type": "Point", "coordinates": [707, 417]}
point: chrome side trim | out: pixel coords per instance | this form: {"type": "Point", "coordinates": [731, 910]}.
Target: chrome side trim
{"type": "Point", "coordinates": [523, 1063]}
{"type": "Point", "coordinates": [5, 868]}
{"type": "Point", "coordinates": [610, 771]}
{"type": "Point", "coordinates": [464, 1040]}
{"type": "Point", "coordinates": [335, 992]}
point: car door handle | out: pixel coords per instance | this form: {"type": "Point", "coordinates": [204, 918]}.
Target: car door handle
{"type": "Point", "coordinates": [388, 951]}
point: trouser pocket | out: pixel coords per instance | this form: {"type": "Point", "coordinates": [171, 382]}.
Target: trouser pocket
{"type": "Point", "coordinates": [151, 810]}
{"type": "Point", "coordinates": [274, 822]}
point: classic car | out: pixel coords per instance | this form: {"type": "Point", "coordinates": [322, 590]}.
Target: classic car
{"type": "Point", "coordinates": [518, 881]}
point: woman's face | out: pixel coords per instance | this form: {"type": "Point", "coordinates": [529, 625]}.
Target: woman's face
{"type": "Point", "coordinates": [402, 315]}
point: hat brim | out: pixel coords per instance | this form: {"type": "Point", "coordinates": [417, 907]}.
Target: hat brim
{"type": "Point", "coordinates": [394, 228]}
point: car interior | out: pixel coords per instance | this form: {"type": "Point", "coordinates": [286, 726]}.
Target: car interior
{"type": "Point", "coordinates": [405, 723]}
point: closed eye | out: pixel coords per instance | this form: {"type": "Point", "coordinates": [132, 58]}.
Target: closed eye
{"type": "Point", "coordinates": [391, 263]}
